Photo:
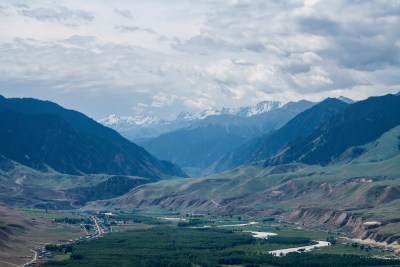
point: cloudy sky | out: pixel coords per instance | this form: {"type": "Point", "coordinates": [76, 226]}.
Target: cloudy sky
{"type": "Point", "coordinates": [161, 57]}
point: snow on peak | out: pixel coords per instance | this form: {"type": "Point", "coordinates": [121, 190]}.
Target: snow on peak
{"type": "Point", "coordinates": [111, 119]}
{"type": "Point", "coordinates": [259, 108]}
{"type": "Point", "coordinates": [248, 111]}
{"type": "Point", "coordinates": [122, 123]}
{"type": "Point", "coordinates": [127, 122]}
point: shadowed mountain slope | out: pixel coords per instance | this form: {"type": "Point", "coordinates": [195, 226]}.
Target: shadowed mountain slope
{"type": "Point", "coordinates": [270, 144]}
{"type": "Point", "coordinates": [34, 136]}
{"type": "Point", "coordinates": [358, 124]}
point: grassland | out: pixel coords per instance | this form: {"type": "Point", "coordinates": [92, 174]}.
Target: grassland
{"type": "Point", "coordinates": [32, 228]}
{"type": "Point", "coordinates": [130, 227]}
{"type": "Point", "coordinates": [46, 214]}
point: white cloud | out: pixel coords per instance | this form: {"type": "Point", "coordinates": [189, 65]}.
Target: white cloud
{"type": "Point", "coordinates": [164, 57]}
{"type": "Point", "coordinates": [161, 99]}
{"type": "Point", "coordinates": [59, 14]}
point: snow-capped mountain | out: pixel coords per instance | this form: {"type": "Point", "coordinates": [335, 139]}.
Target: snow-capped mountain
{"type": "Point", "coordinates": [142, 126]}
{"type": "Point", "coordinates": [248, 111]}
{"type": "Point", "coordinates": [259, 108]}
{"type": "Point", "coordinates": [124, 123]}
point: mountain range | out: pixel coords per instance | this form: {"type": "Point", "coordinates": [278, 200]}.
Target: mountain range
{"type": "Point", "coordinates": [332, 163]}
{"type": "Point", "coordinates": [268, 145]}
{"type": "Point", "coordinates": [335, 165]}
{"type": "Point", "coordinates": [140, 127]}
{"type": "Point", "coordinates": [198, 146]}
{"type": "Point", "coordinates": [206, 142]}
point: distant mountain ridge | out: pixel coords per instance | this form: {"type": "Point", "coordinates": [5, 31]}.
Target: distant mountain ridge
{"type": "Point", "coordinates": [346, 100]}
{"type": "Point", "coordinates": [248, 111]}
{"type": "Point", "coordinates": [41, 133]}
{"type": "Point", "coordinates": [125, 123]}
{"type": "Point", "coordinates": [200, 144]}
{"type": "Point", "coordinates": [143, 126]}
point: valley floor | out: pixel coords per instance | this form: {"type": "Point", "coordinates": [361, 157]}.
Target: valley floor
{"type": "Point", "coordinates": [203, 240]}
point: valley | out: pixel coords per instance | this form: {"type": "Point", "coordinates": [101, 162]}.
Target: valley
{"type": "Point", "coordinates": [145, 239]}
{"type": "Point", "coordinates": [329, 173]}
{"type": "Point", "coordinates": [238, 133]}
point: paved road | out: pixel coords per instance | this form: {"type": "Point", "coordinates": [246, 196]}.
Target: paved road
{"type": "Point", "coordinates": [99, 231]}
{"type": "Point", "coordinates": [33, 260]}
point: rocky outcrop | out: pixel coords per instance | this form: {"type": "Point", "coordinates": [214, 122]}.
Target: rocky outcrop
{"type": "Point", "coordinates": [354, 226]}
{"type": "Point", "coordinates": [331, 219]}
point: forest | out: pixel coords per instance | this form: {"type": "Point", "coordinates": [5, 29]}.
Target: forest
{"type": "Point", "coordinates": [181, 246]}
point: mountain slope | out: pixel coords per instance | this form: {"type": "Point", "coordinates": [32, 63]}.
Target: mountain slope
{"type": "Point", "coordinates": [196, 147]}
{"type": "Point", "coordinates": [73, 145]}
{"type": "Point", "coordinates": [254, 187]}
{"type": "Point", "coordinates": [199, 146]}
{"type": "Point", "coordinates": [268, 145]}
{"type": "Point", "coordinates": [23, 186]}
{"type": "Point", "coordinates": [358, 124]}
{"type": "Point", "coordinates": [77, 120]}
{"type": "Point", "coordinates": [345, 195]}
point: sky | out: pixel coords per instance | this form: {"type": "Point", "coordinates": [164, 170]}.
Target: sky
{"type": "Point", "coordinates": [159, 57]}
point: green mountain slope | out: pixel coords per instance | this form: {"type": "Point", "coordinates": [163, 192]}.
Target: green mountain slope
{"type": "Point", "coordinates": [347, 194]}
{"type": "Point", "coordinates": [27, 187]}
{"type": "Point", "coordinates": [358, 124]}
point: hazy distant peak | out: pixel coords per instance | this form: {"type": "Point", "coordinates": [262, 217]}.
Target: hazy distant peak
{"type": "Point", "coordinates": [129, 123]}
{"type": "Point", "coordinates": [346, 100]}
{"type": "Point", "coordinates": [291, 103]}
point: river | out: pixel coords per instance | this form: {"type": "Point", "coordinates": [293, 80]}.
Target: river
{"type": "Point", "coordinates": [285, 251]}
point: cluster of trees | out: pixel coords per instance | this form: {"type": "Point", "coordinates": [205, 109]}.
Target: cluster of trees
{"type": "Point", "coordinates": [73, 220]}
{"type": "Point", "coordinates": [270, 219]}
{"type": "Point", "coordinates": [137, 219]}
{"type": "Point", "coordinates": [59, 248]}
{"type": "Point", "coordinates": [289, 240]}
{"type": "Point", "coordinates": [332, 240]}
{"type": "Point", "coordinates": [193, 222]}
{"type": "Point", "coordinates": [362, 246]}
